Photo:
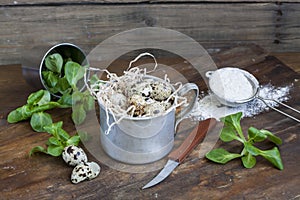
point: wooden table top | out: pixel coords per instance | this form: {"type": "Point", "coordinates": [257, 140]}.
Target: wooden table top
{"type": "Point", "coordinates": [45, 177]}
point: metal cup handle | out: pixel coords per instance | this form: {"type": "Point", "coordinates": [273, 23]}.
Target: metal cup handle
{"type": "Point", "coordinates": [185, 89]}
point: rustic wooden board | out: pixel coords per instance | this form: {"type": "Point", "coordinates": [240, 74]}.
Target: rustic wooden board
{"type": "Point", "coordinates": [290, 59]}
{"type": "Point", "coordinates": [274, 26]}
{"type": "Point", "coordinates": [283, 29]}
{"type": "Point", "coordinates": [53, 2]}
{"type": "Point", "coordinates": [44, 177]}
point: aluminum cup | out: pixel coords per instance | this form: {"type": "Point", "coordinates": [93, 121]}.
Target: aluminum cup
{"type": "Point", "coordinates": [33, 62]}
{"type": "Point", "coordinates": [141, 140]}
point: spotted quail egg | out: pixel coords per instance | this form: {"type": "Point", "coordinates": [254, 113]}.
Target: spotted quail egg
{"type": "Point", "coordinates": [155, 109]}
{"type": "Point", "coordinates": [85, 171]}
{"type": "Point", "coordinates": [139, 103]}
{"type": "Point", "coordinates": [119, 99]}
{"type": "Point", "coordinates": [160, 91]}
{"type": "Point", "coordinates": [74, 155]}
{"type": "Point", "coordinates": [95, 170]}
{"type": "Point", "coordinates": [166, 104]}
{"type": "Point", "coordinates": [141, 88]}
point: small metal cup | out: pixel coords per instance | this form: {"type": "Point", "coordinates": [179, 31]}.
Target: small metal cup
{"type": "Point", "coordinates": [33, 62]}
{"type": "Point", "coordinates": [143, 140]}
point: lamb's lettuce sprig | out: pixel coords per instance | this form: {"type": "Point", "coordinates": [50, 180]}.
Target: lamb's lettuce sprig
{"type": "Point", "coordinates": [61, 76]}
{"type": "Point", "coordinates": [232, 131]}
{"type": "Point", "coordinates": [59, 139]}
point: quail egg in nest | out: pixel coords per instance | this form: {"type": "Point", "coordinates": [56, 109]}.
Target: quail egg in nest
{"type": "Point", "coordinates": [119, 99]}
{"type": "Point", "coordinates": [141, 88]}
{"type": "Point", "coordinates": [139, 104]}
{"type": "Point", "coordinates": [160, 91]}
{"type": "Point", "coordinates": [155, 109]}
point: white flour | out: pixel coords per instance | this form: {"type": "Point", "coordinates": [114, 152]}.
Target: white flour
{"type": "Point", "coordinates": [231, 85]}
{"type": "Point", "coordinates": [209, 106]}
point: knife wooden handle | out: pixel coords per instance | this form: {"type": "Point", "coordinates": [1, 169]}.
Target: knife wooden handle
{"type": "Point", "coordinates": [192, 140]}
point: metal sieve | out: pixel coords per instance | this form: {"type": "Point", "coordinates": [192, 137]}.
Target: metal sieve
{"type": "Point", "coordinates": [213, 77]}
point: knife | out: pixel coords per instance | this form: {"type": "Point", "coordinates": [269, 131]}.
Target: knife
{"type": "Point", "coordinates": [178, 155]}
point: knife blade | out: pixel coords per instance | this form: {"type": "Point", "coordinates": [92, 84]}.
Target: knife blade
{"type": "Point", "coordinates": [178, 155]}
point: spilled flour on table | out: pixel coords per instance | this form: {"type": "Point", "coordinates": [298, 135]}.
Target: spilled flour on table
{"type": "Point", "coordinates": [209, 106]}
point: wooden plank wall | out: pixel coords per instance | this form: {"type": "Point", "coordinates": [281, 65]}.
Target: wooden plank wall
{"type": "Point", "coordinates": [272, 24]}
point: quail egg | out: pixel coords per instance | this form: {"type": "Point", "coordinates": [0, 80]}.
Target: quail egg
{"type": "Point", "coordinates": [167, 104]}
{"type": "Point", "coordinates": [155, 109]}
{"type": "Point", "coordinates": [141, 88]}
{"type": "Point", "coordinates": [160, 91]}
{"type": "Point", "coordinates": [119, 99]}
{"type": "Point", "coordinates": [74, 155]}
{"type": "Point", "coordinates": [139, 103]}
{"type": "Point", "coordinates": [85, 171]}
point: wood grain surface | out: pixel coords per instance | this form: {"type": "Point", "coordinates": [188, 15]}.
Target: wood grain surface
{"type": "Point", "coordinates": [45, 177]}
{"type": "Point", "coordinates": [290, 59]}
{"type": "Point", "coordinates": [57, 2]}
{"type": "Point", "coordinates": [274, 25]}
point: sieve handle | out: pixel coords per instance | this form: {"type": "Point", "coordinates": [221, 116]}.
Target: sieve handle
{"type": "Point", "coordinates": [280, 111]}
{"type": "Point", "coordinates": [187, 110]}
